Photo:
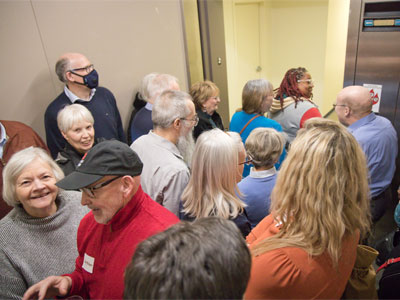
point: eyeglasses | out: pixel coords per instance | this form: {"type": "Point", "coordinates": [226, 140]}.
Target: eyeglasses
{"type": "Point", "coordinates": [334, 105]}
{"type": "Point", "coordinates": [248, 161]}
{"type": "Point", "coordinates": [90, 190]}
{"type": "Point", "coordinates": [195, 119]}
{"type": "Point", "coordinates": [88, 69]}
{"type": "Point", "coordinates": [309, 81]}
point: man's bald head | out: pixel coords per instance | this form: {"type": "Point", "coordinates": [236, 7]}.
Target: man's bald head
{"type": "Point", "coordinates": [358, 98]}
{"type": "Point", "coordinates": [353, 103]}
{"type": "Point", "coordinates": [68, 61]}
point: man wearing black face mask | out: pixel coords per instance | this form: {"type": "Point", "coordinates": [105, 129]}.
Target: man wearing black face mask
{"type": "Point", "coordinates": [81, 86]}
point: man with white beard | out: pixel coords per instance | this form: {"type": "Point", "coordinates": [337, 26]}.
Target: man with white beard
{"type": "Point", "coordinates": [167, 149]}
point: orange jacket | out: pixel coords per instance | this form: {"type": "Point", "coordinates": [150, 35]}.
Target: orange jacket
{"type": "Point", "coordinates": [291, 273]}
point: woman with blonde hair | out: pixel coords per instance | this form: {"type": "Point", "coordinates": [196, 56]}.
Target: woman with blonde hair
{"type": "Point", "coordinates": [205, 96]}
{"type": "Point", "coordinates": [306, 247]}
{"type": "Point", "coordinates": [212, 188]}
{"type": "Point", "coordinates": [257, 98]}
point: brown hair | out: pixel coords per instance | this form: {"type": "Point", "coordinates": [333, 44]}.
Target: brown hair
{"type": "Point", "coordinates": [253, 93]}
{"type": "Point", "coordinates": [186, 262]}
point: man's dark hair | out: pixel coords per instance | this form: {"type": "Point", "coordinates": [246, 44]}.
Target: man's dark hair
{"type": "Point", "coordinates": [206, 259]}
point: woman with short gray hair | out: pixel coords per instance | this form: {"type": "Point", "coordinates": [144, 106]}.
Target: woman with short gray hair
{"type": "Point", "coordinates": [75, 122]}
{"type": "Point", "coordinates": [263, 146]}
{"type": "Point", "coordinates": [257, 99]}
{"type": "Point", "coordinates": [38, 237]}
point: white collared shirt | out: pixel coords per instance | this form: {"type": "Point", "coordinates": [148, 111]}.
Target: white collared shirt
{"type": "Point", "coordinates": [3, 139]}
{"type": "Point", "coordinates": [71, 96]}
{"type": "Point", "coordinates": [149, 106]}
{"type": "Point", "coordinates": [262, 174]}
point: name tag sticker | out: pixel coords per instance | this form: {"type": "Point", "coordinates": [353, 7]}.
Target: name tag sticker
{"type": "Point", "coordinates": [88, 263]}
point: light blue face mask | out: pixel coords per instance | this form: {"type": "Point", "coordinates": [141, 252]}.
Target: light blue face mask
{"type": "Point", "coordinates": [397, 215]}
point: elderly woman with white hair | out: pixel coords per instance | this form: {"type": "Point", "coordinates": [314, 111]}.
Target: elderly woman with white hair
{"type": "Point", "coordinates": [217, 167]}
{"type": "Point", "coordinates": [38, 237]}
{"type": "Point", "coordinates": [75, 122]}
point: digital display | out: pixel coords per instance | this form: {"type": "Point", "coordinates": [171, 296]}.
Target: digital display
{"type": "Point", "coordinates": [384, 22]}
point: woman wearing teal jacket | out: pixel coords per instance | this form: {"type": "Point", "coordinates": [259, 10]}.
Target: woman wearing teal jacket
{"type": "Point", "coordinates": [257, 99]}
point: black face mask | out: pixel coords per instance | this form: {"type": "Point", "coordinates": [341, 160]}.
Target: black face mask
{"type": "Point", "coordinates": [90, 80]}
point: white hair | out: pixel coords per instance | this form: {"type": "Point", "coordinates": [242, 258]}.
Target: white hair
{"type": "Point", "coordinates": [72, 114]}
{"type": "Point", "coordinates": [238, 140]}
{"type": "Point", "coordinates": [17, 164]}
{"type": "Point", "coordinates": [154, 84]}
{"type": "Point", "coordinates": [169, 106]}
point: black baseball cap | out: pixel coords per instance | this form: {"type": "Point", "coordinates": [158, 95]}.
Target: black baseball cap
{"type": "Point", "coordinates": [105, 158]}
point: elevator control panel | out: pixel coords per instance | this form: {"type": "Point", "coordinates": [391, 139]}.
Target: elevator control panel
{"type": "Point", "coordinates": [381, 22]}
{"type": "Point", "coordinates": [381, 16]}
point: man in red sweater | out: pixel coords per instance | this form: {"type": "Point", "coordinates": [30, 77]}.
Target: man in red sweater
{"type": "Point", "coordinates": [122, 216]}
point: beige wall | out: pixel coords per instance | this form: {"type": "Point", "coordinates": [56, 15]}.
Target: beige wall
{"type": "Point", "coordinates": [192, 30]}
{"type": "Point", "coordinates": [293, 33]}
{"type": "Point", "coordinates": [297, 37]}
{"type": "Point", "coordinates": [124, 39]}
{"type": "Point", "coordinates": [335, 55]}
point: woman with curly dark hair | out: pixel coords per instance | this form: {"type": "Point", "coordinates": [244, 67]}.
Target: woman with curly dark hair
{"type": "Point", "coordinates": [292, 104]}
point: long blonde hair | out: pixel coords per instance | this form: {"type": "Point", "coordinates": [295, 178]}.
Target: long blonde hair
{"type": "Point", "coordinates": [321, 193]}
{"type": "Point", "coordinates": [212, 187]}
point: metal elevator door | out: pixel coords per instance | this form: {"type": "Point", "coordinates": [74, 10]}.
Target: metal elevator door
{"type": "Point", "coordinates": [373, 58]}
{"type": "Point", "coordinates": [373, 52]}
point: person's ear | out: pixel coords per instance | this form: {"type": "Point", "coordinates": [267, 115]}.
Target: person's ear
{"type": "Point", "coordinates": [177, 123]}
{"type": "Point", "coordinates": [347, 111]}
{"type": "Point", "coordinates": [129, 184]}
{"type": "Point", "coordinates": [64, 135]}
{"type": "Point", "coordinates": [68, 76]}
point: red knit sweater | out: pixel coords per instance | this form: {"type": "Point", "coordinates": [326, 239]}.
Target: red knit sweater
{"type": "Point", "coordinates": [112, 246]}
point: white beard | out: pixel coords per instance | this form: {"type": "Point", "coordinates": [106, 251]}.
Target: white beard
{"type": "Point", "coordinates": [186, 147]}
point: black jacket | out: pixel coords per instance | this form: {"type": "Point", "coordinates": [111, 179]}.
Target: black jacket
{"type": "Point", "coordinates": [69, 158]}
{"type": "Point", "coordinates": [205, 122]}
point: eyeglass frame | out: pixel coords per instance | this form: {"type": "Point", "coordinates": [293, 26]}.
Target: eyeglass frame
{"type": "Point", "coordinates": [88, 69]}
{"type": "Point", "coordinates": [248, 161]}
{"type": "Point", "coordinates": [309, 81]}
{"type": "Point", "coordinates": [90, 190]}
{"type": "Point", "coordinates": [195, 120]}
